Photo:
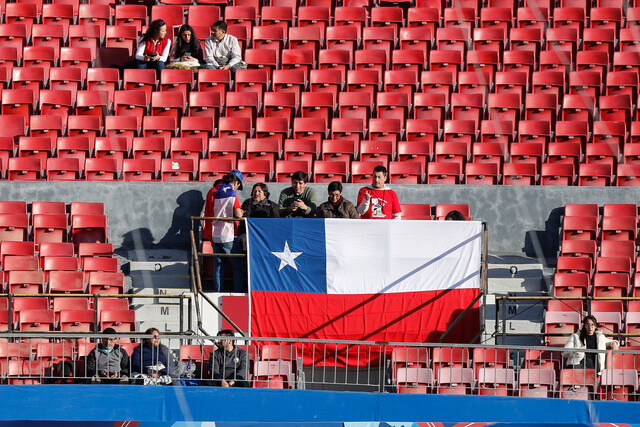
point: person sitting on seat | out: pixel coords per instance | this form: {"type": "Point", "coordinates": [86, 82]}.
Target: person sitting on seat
{"type": "Point", "coordinates": [379, 201]}
{"type": "Point", "coordinates": [228, 364]}
{"type": "Point", "coordinates": [589, 337]}
{"type": "Point", "coordinates": [154, 47]}
{"type": "Point", "coordinates": [337, 206]}
{"type": "Point", "coordinates": [150, 353]}
{"type": "Point", "coordinates": [222, 50]}
{"type": "Point", "coordinates": [259, 205]}
{"type": "Point", "coordinates": [187, 53]}
{"type": "Point", "coordinates": [455, 216]}
{"type": "Point", "coordinates": [108, 362]}
{"type": "Point", "coordinates": [298, 200]}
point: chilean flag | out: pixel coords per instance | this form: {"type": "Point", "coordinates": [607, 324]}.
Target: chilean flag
{"type": "Point", "coordinates": [338, 279]}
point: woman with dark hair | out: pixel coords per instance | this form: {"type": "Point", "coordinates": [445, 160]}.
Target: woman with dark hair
{"type": "Point", "coordinates": [154, 47]}
{"type": "Point", "coordinates": [259, 205]}
{"type": "Point", "coordinates": [337, 206]}
{"type": "Point", "coordinates": [591, 338]}
{"type": "Point", "coordinates": [187, 53]}
{"type": "Point", "coordinates": [150, 353]}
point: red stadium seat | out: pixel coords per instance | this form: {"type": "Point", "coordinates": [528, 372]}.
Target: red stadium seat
{"type": "Point", "coordinates": [139, 170]}
{"type": "Point", "coordinates": [444, 173]}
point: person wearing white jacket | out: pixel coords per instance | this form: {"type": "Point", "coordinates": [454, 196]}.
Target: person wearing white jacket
{"type": "Point", "coordinates": [590, 338]}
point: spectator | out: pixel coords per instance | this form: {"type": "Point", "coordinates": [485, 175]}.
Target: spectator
{"type": "Point", "coordinates": [590, 338]}
{"type": "Point", "coordinates": [337, 206]}
{"type": "Point", "coordinates": [298, 200]}
{"type": "Point", "coordinates": [228, 364]}
{"type": "Point", "coordinates": [223, 202]}
{"type": "Point", "coordinates": [150, 353]}
{"type": "Point", "coordinates": [108, 362]}
{"type": "Point", "coordinates": [154, 47]}
{"type": "Point", "coordinates": [222, 50]}
{"type": "Point", "coordinates": [259, 205]}
{"type": "Point", "coordinates": [379, 201]}
{"type": "Point", "coordinates": [455, 216]}
{"type": "Point", "coordinates": [187, 53]}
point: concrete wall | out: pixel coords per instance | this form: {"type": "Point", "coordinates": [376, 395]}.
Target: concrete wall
{"type": "Point", "coordinates": [521, 220]}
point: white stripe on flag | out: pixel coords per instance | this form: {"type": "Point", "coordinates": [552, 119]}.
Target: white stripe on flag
{"type": "Point", "coordinates": [369, 257]}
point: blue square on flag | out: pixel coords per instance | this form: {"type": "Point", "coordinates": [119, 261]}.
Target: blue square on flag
{"type": "Point", "coordinates": [287, 255]}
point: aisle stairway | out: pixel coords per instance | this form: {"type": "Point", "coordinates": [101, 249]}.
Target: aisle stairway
{"type": "Point", "coordinates": [521, 277]}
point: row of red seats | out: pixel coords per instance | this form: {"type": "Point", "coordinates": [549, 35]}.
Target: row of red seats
{"type": "Point", "coordinates": [68, 314]}
{"type": "Point", "coordinates": [250, 15]}
{"type": "Point", "coordinates": [447, 171]}
{"type": "Point", "coordinates": [613, 316]}
{"type": "Point", "coordinates": [613, 384]}
{"type": "Point", "coordinates": [430, 98]}
{"type": "Point", "coordinates": [30, 362]}
{"type": "Point", "coordinates": [44, 320]}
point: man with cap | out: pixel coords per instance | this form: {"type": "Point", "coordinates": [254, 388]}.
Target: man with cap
{"type": "Point", "coordinates": [223, 202]}
{"type": "Point", "coordinates": [108, 362]}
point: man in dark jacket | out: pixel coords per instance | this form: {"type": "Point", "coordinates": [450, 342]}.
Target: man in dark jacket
{"type": "Point", "coordinates": [228, 364]}
{"type": "Point", "coordinates": [108, 362]}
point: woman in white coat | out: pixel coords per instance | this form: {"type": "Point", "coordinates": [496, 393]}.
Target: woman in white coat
{"type": "Point", "coordinates": [590, 338]}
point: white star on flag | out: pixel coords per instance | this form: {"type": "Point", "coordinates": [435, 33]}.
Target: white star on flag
{"type": "Point", "coordinates": [287, 257]}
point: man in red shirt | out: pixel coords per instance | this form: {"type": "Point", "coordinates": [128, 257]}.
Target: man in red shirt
{"type": "Point", "coordinates": [379, 201]}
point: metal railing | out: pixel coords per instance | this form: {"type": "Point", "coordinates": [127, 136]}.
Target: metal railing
{"type": "Point", "coordinates": [40, 358]}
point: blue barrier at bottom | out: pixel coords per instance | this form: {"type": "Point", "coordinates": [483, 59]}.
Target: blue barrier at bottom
{"type": "Point", "coordinates": [175, 404]}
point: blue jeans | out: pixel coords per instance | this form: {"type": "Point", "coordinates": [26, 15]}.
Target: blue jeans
{"type": "Point", "coordinates": [237, 263]}
{"type": "Point", "coordinates": [154, 65]}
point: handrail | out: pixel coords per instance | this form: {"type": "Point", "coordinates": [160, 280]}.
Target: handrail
{"type": "Point", "coordinates": [195, 273]}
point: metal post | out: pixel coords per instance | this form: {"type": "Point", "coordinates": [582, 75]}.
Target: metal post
{"type": "Point", "coordinates": [497, 316]}
{"type": "Point", "coordinates": [181, 314]}
{"type": "Point", "coordinates": [504, 322]}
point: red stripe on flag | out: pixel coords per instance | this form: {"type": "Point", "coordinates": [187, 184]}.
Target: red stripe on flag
{"type": "Point", "coordinates": [390, 317]}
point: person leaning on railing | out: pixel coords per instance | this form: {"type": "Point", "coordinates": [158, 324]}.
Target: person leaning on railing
{"type": "Point", "coordinates": [589, 338]}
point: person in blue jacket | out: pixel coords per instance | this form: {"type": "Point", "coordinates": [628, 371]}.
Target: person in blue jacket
{"type": "Point", "coordinates": [150, 352]}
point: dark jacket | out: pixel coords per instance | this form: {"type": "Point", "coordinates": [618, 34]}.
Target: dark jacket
{"type": "Point", "coordinates": [287, 197]}
{"type": "Point", "coordinates": [100, 360]}
{"type": "Point", "coordinates": [151, 356]}
{"type": "Point", "coordinates": [263, 209]}
{"type": "Point", "coordinates": [229, 365]}
{"type": "Point", "coordinates": [344, 210]}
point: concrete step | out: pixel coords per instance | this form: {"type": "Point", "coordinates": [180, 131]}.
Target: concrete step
{"type": "Point", "coordinates": [162, 274]}
{"type": "Point", "coordinates": [159, 268]}
{"type": "Point", "coordinates": [160, 311]}
{"type": "Point", "coordinates": [534, 270]}
{"type": "Point", "coordinates": [534, 286]}
{"type": "Point", "coordinates": [157, 291]}
{"type": "Point", "coordinates": [163, 326]}
{"type": "Point", "coordinates": [522, 310]}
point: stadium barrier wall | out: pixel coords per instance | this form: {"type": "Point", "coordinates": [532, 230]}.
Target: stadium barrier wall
{"type": "Point", "coordinates": [140, 403]}
{"type": "Point", "coordinates": [521, 220]}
